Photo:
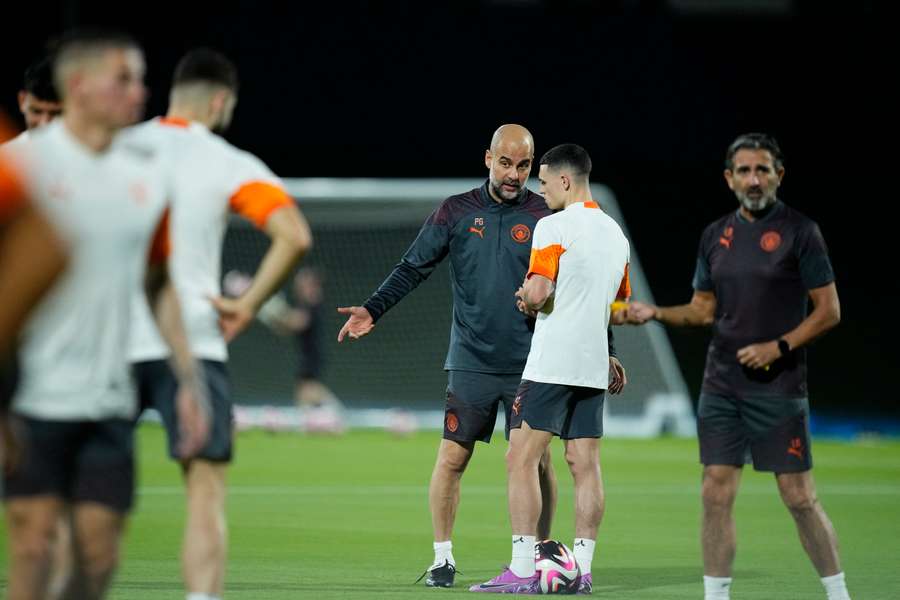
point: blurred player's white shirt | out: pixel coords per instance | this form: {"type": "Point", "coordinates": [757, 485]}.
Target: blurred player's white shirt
{"type": "Point", "coordinates": [17, 143]}
{"type": "Point", "coordinates": [107, 206]}
{"type": "Point", "coordinates": [210, 179]}
{"type": "Point", "coordinates": [584, 252]}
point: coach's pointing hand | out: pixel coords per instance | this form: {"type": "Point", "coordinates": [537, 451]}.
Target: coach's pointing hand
{"type": "Point", "coordinates": [359, 324]}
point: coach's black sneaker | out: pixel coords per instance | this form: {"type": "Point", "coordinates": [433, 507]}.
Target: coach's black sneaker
{"type": "Point", "coordinates": [441, 576]}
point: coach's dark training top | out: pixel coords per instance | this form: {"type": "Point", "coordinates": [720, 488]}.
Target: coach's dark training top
{"type": "Point", "coordinates": [489, 244]}
{"type": "Point", "coordinates": [761, 273]}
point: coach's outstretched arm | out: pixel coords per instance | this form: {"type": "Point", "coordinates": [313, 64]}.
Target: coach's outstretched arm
{"type": "Point", "coordinates": [423, 256]}
{"type": "Point", "coordinates": [291, 240]}
{"type": "Point", "coordinates": [699, 312]}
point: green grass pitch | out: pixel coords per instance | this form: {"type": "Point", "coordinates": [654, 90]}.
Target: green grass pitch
{"type": "Point", "coordinates": [347, 517]}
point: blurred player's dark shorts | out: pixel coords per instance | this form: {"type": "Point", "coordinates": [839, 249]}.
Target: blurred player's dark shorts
{"type": "Point", "coordinates": [772, 431]}
{"type": "Point", "coordinates": [78, 461]}
{"type": "Point", "coordinates": [157, 387]}
{"type": "Point", "coordinates": [569, 411]}
{"type": "Point", "coordinates": [472, 403]}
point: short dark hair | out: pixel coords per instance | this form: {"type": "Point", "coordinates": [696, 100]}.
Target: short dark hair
{"type": "Point", "coordinates": [76, 43]}
{"type": "Point", "coordinates": [38, 80]}
{"type": "Point", "coordinates": [572, 156]}
{"type": "Point", "coordinates": [204, 65]}
{"type": "Point", "coordinates": [754, 141]}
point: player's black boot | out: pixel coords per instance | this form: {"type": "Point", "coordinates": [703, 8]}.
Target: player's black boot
{"type": "Point", "coordinates": [441, 576]}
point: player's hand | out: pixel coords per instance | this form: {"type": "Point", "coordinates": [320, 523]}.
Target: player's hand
{"type": "Point", "coordinates": [639, 313]}
{"type": "Point", "coordinates": [759, 356]}
{"type": "Point", "coordinates": [234, 316]}
{"type": "Point", "coordinates": [359, 323]}
{"type": "Point", "coordinates": [617, 377]}
{"type": "Point", "coordinates": [194, 417]}
{"type": "Point", "coordinates": [520, 303]}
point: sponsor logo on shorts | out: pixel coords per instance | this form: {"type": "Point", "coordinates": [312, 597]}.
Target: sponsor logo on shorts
{"type": "Point", "coordinates": [520, 233]}
{"type": "Point", "coordinates": [770, 241]}
{"type": "Point", "coordinates": [517, 405]}
{"type": "Point", "coordinates": [796, 448]}
{"type": "Point", "coordinates": [452, 422]}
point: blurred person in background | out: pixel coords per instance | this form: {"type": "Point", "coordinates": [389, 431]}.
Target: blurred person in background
{"type": "Point", "coordinates": [757, 269]}
{"type": "Point", "coordinates": [302, 319]}
{"type": "Point", "coordinates": [38, 100]}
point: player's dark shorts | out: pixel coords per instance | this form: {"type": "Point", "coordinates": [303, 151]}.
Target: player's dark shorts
{"type": "Point", "coordinates": [78, 461]}
{"type": "Point", "coordinates": [772, 430]}
{"type": "Point", "coordinates": [157, 387]}
{"type": "Point", "coordinates": [472, 403]}
{"type": "Point", "coordinates": [569, 411]}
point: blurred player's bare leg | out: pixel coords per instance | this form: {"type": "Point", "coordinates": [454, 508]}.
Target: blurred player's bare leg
{"type": "Point", "coordinates": [32, 528]}
{"type": "Point", "coordinates": [547, 477]}
{"type": "Point", "coordinates": [443, 491]}
{"type": "Point", "coordinates": [583, 457]}
{"type": "Point", "coordinates": [798, 491]}
{"type": "Point", "coordinates": [720, 486]}
{"type": "Point", "coordinates": [526, 447]}
{"type": "Point", "coordinates": [205, 532]}
{"type": "Point", "coordinates": [97, 533]}
{"type": "Point", "coordinates": [63, 558]}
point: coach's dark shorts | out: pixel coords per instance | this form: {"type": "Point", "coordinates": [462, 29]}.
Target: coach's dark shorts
{"type": "Point", "coordinates": [78, 461]}
{"type": "Point", "coordinates": [472, 403]}
{"type": "Point", "coordinates": [773, 431]}
{"type": "Point", "coordinates": [157, 387]}
{"type": "Point", "coordinates": [569, 411]}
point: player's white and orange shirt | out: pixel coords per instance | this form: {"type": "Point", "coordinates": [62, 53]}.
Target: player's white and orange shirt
{"type": "Point", "coordinates": [584, 252]}
{"type": "Point", "coordinates": [107, 206]}
{"type": "Point", "coordinates": [211, 178]}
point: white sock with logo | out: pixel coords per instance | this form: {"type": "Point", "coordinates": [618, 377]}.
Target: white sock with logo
{"type": "Point", "coordinates": [583, 549]}
{"type": "Point", "coordinates": [443, 551]}
{"type": "Point", "coordinates": [522, 563]}
{"type": "Point", "coordinates": [716, 588]}
{"type": "Point", "coordinates": [836, 587]}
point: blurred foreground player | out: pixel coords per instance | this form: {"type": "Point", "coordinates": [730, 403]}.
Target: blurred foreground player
{"type": "Point", "coordinates": [757, 269]}
{"type": "Point", "coordinates": [76, 402]}
{"type": "Point", "coordinates": [211, 178]}
{"type": "Point", "coordinates": [32, 255]}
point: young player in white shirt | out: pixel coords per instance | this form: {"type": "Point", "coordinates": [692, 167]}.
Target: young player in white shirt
{"type": "Point", "coordinates": [579, 266]}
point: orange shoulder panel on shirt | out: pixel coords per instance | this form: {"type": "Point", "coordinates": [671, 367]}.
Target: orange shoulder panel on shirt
{"type": "Point", "coordinates": [174, 121]}
{"type": "Point", "coordinates": [257, 200]}
{"type": "Point", "coordinates": [624, 292]}
{"type": "Point", "coordinates": [591, 205]}
{"type": "Point", "coordinates": [545, 261]}
{"type": "Point", "coordinates": [12, 194]}
{"type": "Point", "coordinates": [161, 246]}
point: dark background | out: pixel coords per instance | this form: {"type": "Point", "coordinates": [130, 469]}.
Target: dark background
{"type": "Point", "coordinates": [654, 90]}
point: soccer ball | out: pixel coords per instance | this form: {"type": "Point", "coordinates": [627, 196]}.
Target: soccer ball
{"type": "Point", "coordinates": [556, 567]}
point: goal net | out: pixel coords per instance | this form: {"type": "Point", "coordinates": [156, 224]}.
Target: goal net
{"type": "Point", "coordinates": [361, 228]}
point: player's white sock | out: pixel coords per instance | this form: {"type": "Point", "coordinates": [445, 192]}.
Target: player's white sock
{"type": "Point", "coordinates": [716, 588]}
{"type": "Point", "coordinates": [443, 551]}
{"type": "Point", "coordinates": [584, 554]}
{"type": "Point", "coordinates": [522, 563]}
{"type": "Point", "coordinates": [836, 587]}
{"type": "Point", "coordinates": [196, 596]}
